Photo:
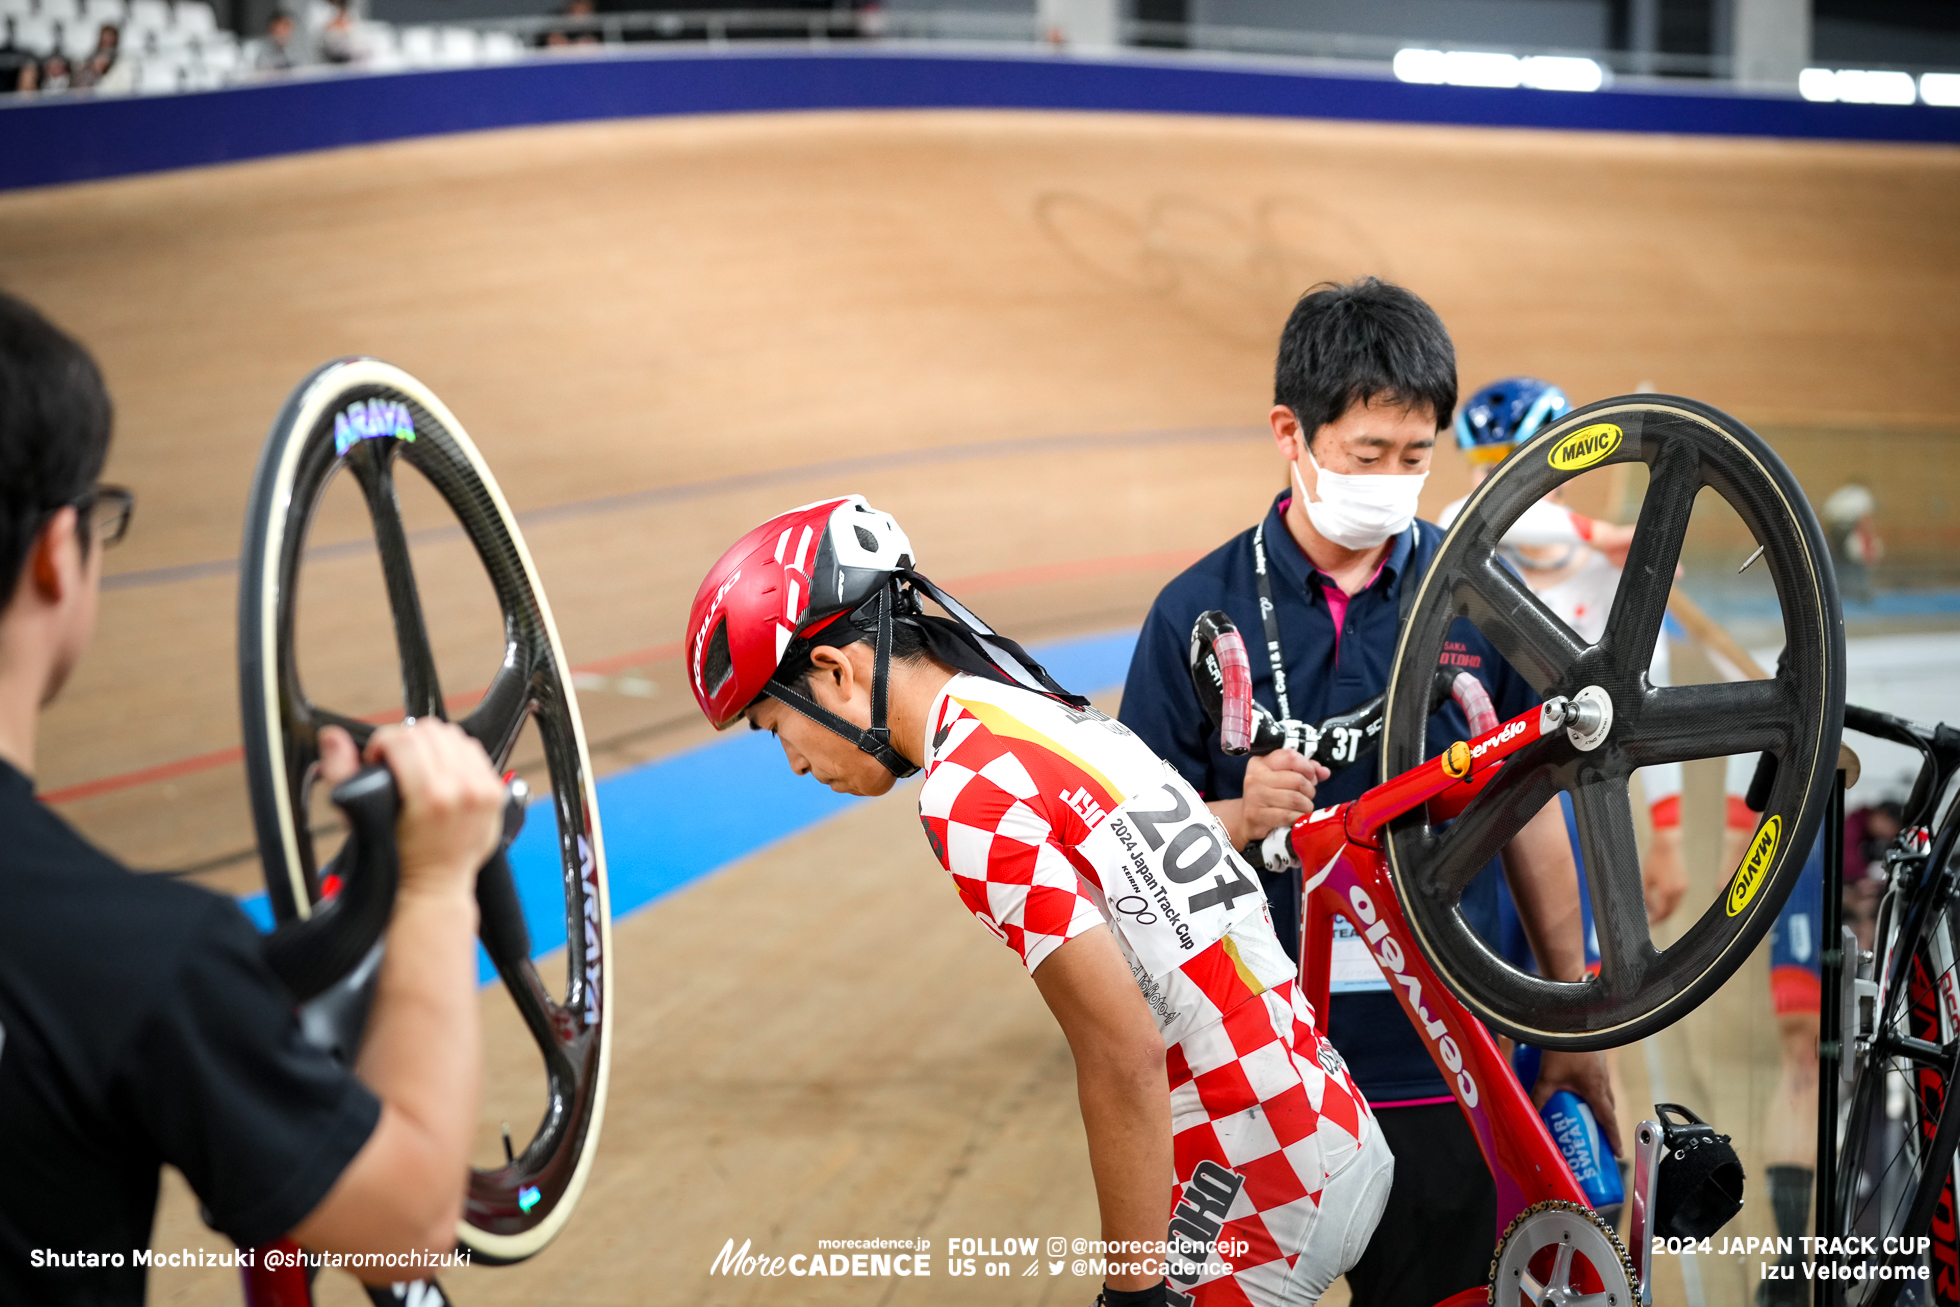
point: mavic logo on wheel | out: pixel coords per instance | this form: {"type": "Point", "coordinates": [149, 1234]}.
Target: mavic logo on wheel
{"type": "Point", "coordinates": [1584, 447]}
{"type": "Point", "coordinates": [371, 419]}
{"type": "Point", "coordinates": [1749, 877]}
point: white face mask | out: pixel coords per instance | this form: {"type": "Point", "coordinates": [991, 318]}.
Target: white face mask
{"type": "Point", "coordinates": [1359, 512]}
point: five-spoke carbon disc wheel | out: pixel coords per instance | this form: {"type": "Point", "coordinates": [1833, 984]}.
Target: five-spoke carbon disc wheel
{"type": "Point", "coordinates": [365, 418]}
{"type": "Point", "coordinates": [1797, 716]}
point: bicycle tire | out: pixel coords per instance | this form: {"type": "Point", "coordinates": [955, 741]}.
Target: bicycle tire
{"type": "Point", "coordinates": [510, 1212]}
{"type": "Point", "coordinates": [1796, 715]}
{"type": "Point", "coordinates": [1896, 1163]}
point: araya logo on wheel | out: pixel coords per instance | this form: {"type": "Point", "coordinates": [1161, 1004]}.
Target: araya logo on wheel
{"type": "Point", "coordinates": [371, 419]}
{"type": "Point", "coordinates": [1749, 877]}
{"type": "Point", "coordinates": [588, 874]}
{"type": "Point", "coordinates": [1584, 447]}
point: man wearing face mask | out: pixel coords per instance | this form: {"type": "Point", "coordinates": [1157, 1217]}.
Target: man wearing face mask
{"type": "Point", "coordinates": [1366, 378]}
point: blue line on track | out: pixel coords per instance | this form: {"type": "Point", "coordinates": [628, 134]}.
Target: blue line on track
{"type": "Point", "coordinates": [670, 823]}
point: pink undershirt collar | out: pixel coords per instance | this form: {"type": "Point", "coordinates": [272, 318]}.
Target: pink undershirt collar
{"type": "Point", "coordinates": [1337, 598]}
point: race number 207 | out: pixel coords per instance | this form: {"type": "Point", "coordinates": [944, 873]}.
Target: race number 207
{"type": "Point", "coordinates": [1190, 849]}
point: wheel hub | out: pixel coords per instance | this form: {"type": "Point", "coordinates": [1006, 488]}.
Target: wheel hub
{"type": "Point", "coordinates": [1589, 719]}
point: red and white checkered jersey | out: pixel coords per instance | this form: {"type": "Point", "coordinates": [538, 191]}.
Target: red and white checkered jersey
{"type": "Point", "coordinates": [1054, 821]}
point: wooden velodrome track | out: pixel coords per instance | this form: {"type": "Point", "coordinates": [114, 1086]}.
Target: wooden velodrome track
{"type": "Point", "coordinates": [1045, 342]}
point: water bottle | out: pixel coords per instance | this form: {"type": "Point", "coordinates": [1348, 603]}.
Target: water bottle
{"type": "Point", "coordinates": [1577, 1135]}
{"type": "Point", "coordinates": [1586, 1151]}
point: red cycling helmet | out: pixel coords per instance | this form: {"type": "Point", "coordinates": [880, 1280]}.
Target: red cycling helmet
{"type": "Point", "coordinates": [790, 579]}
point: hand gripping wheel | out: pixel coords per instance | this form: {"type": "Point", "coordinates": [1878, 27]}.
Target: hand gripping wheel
{"type": "Point", "coordinates": [1796, 716]}
{"type": "Point", "coordinates": [366, 417]}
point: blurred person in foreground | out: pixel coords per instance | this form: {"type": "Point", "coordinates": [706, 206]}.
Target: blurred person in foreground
{"type": "Point", "coordinates": [139, 1023]}
{"type": "Point", "coordinates": [1364, 381]}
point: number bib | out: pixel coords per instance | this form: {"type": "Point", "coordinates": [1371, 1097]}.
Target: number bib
{"type": "Point", "coordinates": [1172, 881]}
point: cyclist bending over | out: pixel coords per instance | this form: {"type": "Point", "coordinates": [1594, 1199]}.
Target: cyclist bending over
{"type": "Point", "coordinates": [1149, 939]}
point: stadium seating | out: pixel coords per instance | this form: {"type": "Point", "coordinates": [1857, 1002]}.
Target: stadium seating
{"type": "Point", "coordinates": [176, 45]}
{"type": "Point", "coordinates": [148, 15]}
{"type": "Point", "coordinates": [456, 47]}
{"type": "Point", "coordinates": [35, 34]}
{"type": "Point", "coordinates": [157, 77]}
{"type": "Point", "coordinates": [78, 37]}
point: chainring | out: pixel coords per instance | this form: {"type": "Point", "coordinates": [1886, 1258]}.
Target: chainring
{"type": "Point", "coordinates": [1574, 1234]}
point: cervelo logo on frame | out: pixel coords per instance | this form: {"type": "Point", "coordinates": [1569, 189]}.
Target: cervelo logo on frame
{"type": "Point", "coordinates": [1749, 877]}
{"type": "Point", "coordinates": [1584, 447]}
{"type": "Point", "coordinates": [1504, 736]}
{"type": "Point", "coordinates": [371, 419]}
{"type": "Point", "coordinates": [1389, 955]}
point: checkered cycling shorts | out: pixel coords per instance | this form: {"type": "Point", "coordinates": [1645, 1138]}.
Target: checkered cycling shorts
{"type": "Point", "coordinates": [1263, 1112]}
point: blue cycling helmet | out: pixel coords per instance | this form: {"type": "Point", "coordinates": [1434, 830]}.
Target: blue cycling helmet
{"type": "Point", "coordinates": [1504, 415]}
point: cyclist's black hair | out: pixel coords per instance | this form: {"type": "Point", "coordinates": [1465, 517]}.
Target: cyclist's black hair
{"type": "Point", "coordinates": [908, 645]}
{"type": "Point", "coordinates": [55, 418]}
{"type": "Point", "coordinates": [1347, 345]}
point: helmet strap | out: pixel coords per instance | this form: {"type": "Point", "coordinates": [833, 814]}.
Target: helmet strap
{"type": "Point", "coordinates": [878, 740]}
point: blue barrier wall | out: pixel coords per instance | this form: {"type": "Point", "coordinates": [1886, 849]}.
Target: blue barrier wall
{"type": "Point", "coordinates": [43, 142]}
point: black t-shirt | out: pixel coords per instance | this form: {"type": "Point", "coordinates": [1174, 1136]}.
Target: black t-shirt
{"type": "Point", "coordinates": [139, 1025]}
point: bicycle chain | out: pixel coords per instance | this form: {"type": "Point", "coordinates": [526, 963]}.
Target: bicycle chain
{"type": "Point", "coordinates": [1558, 1205]}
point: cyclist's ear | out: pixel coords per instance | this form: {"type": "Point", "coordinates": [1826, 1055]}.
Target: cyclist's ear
{"type": "Point", "coordinates": [836, 669]}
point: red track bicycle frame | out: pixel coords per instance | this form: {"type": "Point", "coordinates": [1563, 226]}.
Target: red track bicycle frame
{"type": "Point", "coordinates": [1346, 872]}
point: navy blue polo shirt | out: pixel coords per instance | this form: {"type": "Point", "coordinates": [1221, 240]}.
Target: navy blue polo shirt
{"type": "Point", "coordinates": [1389, 1060]}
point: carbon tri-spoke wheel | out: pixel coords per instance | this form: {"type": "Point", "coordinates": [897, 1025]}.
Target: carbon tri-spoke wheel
{"type": "Point", "coordinates": [1896, 1165]}
{"type": "Point", "coordinates": [368, 418]}
{"type": "Point", "coordinates": [1797, 716]}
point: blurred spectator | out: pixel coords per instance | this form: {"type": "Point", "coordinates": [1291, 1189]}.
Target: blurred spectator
{"type": "Point", "coordinates": [1867, 833]}
{"type": "Point", "coordinates": [578, 35]}
{"type": "Point", "coordinates": [275, 51]}
{"type": "Point", "coordinates": [15, 68]}
{"type": "Point", "coordinates": [339, 37]}
{"type": "Point", "coordinates": [1855, 545]}
{"type": "Point", "coordinates": [103, 70]}
{"type": "Point", "coordinates": [55, 75]}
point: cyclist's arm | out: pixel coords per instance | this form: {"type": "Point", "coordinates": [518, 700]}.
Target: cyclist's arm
{"type": "Point", "coordinates": [1120, 1079]}
{"type": "Point", "coordinates": [404, 1190]}
{"type": "Point", "coordinates": [1545, 885]}
{"type": "Point", "coordinates": [1062, 936]}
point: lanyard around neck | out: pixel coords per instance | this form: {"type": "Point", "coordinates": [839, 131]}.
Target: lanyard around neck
{"type": "Point", "coordinates": [1269, 615]}
{"type": "Point", "coordinates": [1270, 619]}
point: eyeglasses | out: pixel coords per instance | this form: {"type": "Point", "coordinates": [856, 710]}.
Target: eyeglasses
{"type": "Point", "coordinates": [105, 511]}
